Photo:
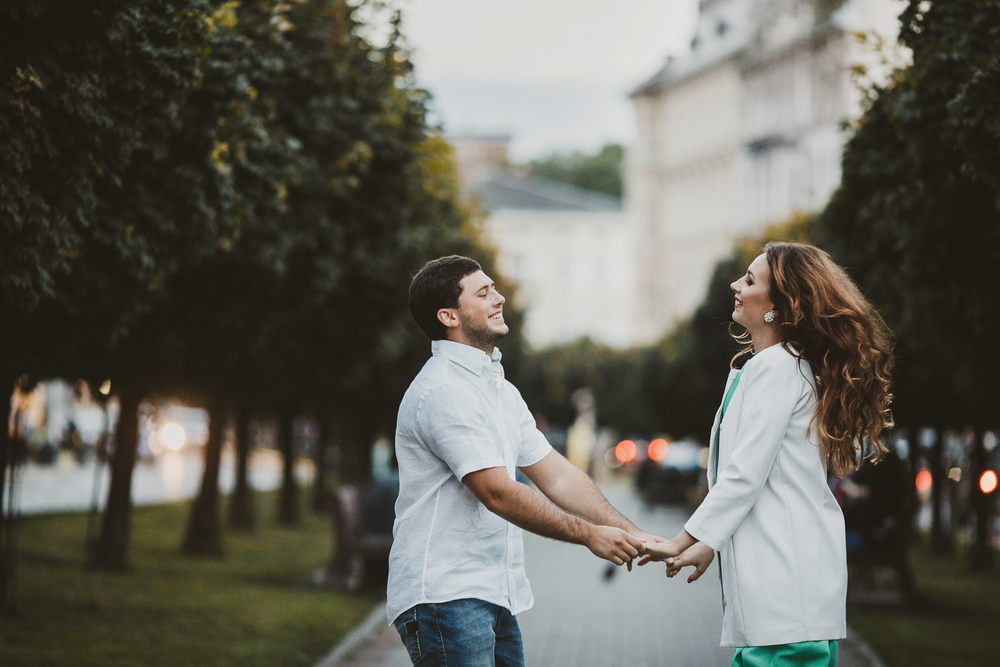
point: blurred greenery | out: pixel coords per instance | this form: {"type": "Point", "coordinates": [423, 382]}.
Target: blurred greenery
{"type": "Point", "coordinates": [917, 220]}
{"type": "Point", "coordinates": [228, 213]}
{"type": "Point", "coordinates": [601, 171]}
{"type": "Point", "coordinates": [250, 609]}
{"type": "Point", "coordinates": [917, 216]}
{"type": "Point", "coordinates": [954, 624]}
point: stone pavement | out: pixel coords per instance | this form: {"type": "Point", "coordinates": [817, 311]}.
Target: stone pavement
{"type": "Point", "coordinates": [586, 615]}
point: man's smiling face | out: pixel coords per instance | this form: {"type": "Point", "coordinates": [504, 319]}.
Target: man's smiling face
{"type": "Point", "coordinates": [480, 311]}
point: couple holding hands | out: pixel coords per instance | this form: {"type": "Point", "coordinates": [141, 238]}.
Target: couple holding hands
{"type": "Point", "coordinates": [810, 385]}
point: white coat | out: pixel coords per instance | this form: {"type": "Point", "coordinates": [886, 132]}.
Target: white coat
{"type": "Point", "coordinates": [771, 515]}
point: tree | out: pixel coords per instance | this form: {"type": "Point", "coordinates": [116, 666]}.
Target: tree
{"type": "Point", "coordinates": [601, 171]}
{"type": "Point", "coordinates": [918, 214]}
{"type": "Point", "coordinates": [77, 271]}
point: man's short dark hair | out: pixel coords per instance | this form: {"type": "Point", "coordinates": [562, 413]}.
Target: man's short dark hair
{"type": "Point", "coordinates": [437, 286]}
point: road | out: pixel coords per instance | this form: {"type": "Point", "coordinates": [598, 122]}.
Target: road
{"type": "Point", "coordinates": [582, 618]}
{"type": "Point", "coordinates": [68, 486]}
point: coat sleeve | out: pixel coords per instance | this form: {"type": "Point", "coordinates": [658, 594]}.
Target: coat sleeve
{"type": "Point", "coordinates": [770, 396]}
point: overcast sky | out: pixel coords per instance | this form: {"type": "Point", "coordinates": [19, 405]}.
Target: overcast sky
{"type": "Point", "coordinates": [554, 74]}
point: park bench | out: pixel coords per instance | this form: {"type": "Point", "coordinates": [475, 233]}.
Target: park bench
{"type": "Point", "coordinates": [880, 529]}
{"type": "Point", "coordinates": [888, 546]}
{"type": "Point", "coordinates": [362, 533]}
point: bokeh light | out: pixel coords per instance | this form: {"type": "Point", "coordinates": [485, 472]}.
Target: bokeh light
{"type": "Point", "coordinates": [625, 451]}
{"type": "Point", "coordinates": [172, 436]}
{"type": "Point", "coordinates": [657, 449]}
{"type": "Point", "coordinates": [924, 480]}
{"type": "Point", "coordinates": [988, 482]}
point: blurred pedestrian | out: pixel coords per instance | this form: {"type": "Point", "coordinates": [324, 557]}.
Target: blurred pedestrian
{"type": "Point", "coordinates": [815, 387]}
{"type": "Point", "coordinates": [456, 569]}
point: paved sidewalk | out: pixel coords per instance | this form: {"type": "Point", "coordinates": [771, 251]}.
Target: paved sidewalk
{"type": "Point", "coordinates": [584, 618]}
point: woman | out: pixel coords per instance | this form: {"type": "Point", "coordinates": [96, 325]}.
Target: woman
{"type": "Point", "coordinates": [815, 389]}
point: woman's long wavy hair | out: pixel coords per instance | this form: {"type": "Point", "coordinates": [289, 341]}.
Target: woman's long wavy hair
{"type": "Point", "coordinates": [822, 314]}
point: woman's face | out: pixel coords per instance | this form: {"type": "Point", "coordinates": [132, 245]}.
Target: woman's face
{"type": "Point", "coordinates": [752, 293]}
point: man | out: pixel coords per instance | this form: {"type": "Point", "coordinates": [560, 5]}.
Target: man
{"type": "Point", "coordinates": [456, 569]}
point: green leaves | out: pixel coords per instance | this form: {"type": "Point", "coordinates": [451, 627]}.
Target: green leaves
{"type": "Point", "coordinates": [601, 172]}
{"type": "Point", "coordinates": [918, 212]}
{"type": "Point", "coordinates": [222, 196]}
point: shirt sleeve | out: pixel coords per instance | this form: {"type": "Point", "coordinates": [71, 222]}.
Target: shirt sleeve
{"type": "Point", "coordinates": [453, 426]}
{"type": "Point", "coordinates": [534, 446]}
{"type": "Point", "coordinates": [771, 394]}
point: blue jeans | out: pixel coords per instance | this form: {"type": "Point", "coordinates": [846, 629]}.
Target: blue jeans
{"type": "Point", "coordinates": [461, 633]}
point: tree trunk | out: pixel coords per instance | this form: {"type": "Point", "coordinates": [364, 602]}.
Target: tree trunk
{"type": "Point", "coordinates": [356, 453]}
{"type": "Point", "coordinates": [288, 503]}
{"type": "Point", "coordinates": [110, 551]}
{"type": "Point", "coordinates": [203, 535]}
{"type": "Point", "coordinates": [320, 500]}
{"type": "Point", "coordinates": [242, 515]}
{"type": "Point", "coordinates": [982, 554]}
{"type": "Point", "coordinates": [940, 538]}
{"type": "Point", "coordinates": [8, 572]}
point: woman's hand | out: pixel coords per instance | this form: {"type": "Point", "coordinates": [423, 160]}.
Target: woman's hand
{"type": "Point", "coordinates": [700, 555]}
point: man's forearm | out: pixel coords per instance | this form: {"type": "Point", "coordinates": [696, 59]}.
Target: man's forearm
{"type": "Point", "coordinates": [529, 510]}
{"type": "Point", "coordinates": [576, 493]}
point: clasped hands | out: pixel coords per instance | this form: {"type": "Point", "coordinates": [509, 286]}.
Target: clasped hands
{"type": "Point", "coordinates": [620, 548]}
{"type": "Point", "coordinates": [680, 552]}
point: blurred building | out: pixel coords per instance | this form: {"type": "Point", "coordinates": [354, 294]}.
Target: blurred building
{"type": "Point", "coordinates": [743, 131]}
{"type": "Point", "coordinates": [570, 251]}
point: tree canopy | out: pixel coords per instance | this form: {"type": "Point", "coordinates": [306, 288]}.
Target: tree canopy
{"type": "Point", "coordinates": [601, 171]}
{"type": "Point", "coordinates": [917, 215]}
{"type": "Point", "coordinates": [222, 201]}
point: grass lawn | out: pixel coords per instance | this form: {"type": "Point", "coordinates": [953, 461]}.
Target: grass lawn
{"type": "Point", "coordinates": [247, 609]}
{"type": "Point", "coordinates": [958, 622]}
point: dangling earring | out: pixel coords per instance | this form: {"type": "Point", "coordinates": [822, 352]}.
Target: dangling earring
{"type": "Point", "coordinates": [769, 316]}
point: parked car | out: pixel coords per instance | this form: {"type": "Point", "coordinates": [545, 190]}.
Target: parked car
{"type": "Point", "coordinates": [678, 476]}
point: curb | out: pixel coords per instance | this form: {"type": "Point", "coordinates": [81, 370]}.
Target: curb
{"type": "Point", "coordinates": [359, 636]}
{"type": "Point", "coordinates": [870, 657]}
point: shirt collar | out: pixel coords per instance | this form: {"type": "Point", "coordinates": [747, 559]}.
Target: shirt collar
{"type": "Point", "coordinates": [464, 355]}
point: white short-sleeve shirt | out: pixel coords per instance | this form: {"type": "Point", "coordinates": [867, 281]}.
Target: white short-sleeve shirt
{"type": "Point", "coordinates": [459, 415]}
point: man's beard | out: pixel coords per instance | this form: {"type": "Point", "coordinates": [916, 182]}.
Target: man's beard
{"type": "Point", "coordinates": [481, 336]}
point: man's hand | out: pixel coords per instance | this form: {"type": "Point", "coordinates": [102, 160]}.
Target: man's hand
{"type": "Point", "coordinates": [614, 544]}
{"type": "Point", "coordinates": [699, 555]}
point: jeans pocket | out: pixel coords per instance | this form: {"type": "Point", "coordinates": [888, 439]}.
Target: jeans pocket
{"type": "Point", "coordinates": [411, 639]}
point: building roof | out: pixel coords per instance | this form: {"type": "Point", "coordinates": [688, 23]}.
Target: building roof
{"type": "Point", "coordinates": [725, 29]}
{"type": "Point", "coordinates": [509, 189]}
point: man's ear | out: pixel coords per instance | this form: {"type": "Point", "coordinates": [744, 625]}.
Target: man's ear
{"type": "Point", "coordinates": [448, 317]}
